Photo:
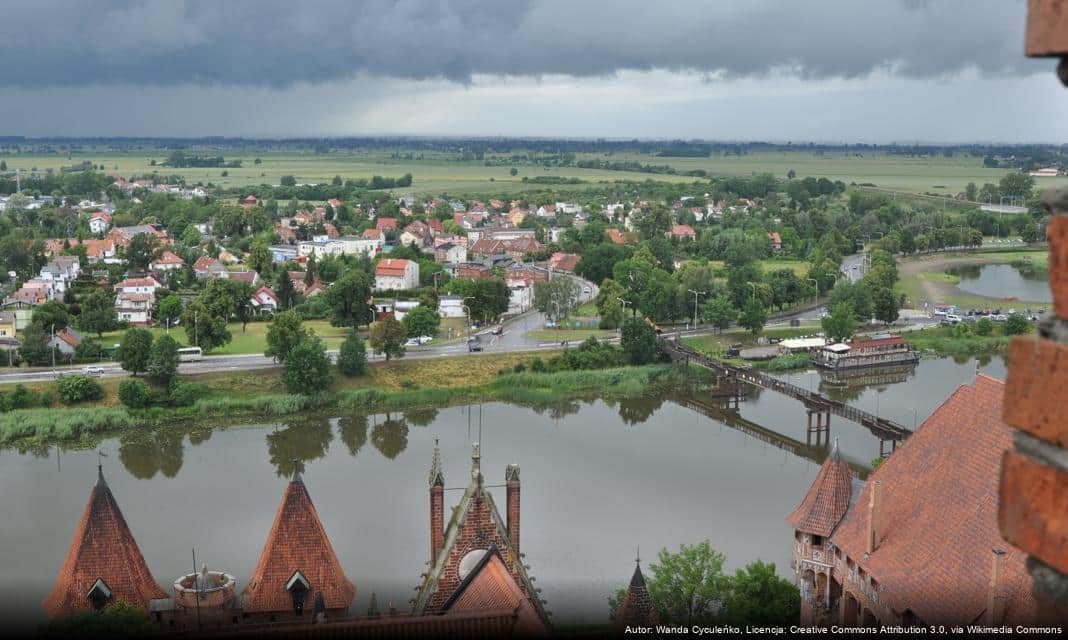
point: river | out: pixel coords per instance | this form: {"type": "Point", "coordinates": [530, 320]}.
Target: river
{"type": "Point", "coordinates": [601, 480]}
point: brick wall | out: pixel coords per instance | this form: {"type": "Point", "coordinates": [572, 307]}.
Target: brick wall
{"type": "Point", "coordinates": [1033, 506]}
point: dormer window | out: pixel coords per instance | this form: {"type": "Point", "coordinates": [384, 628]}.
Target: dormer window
{"type": "Point", "coordinates": [99, 595]}
{"type": "Point", "coordinates": [298, 588]}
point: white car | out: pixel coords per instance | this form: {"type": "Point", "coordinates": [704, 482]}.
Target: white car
{"type": "Point", "coordinates": [94, 371]}
{"type": "Point", "coordinates": [415, 342]}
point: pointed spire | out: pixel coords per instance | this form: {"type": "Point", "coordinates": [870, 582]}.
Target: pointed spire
{"type": "Point", "coordinates": [372, 606]}
{"type": "Point", "coordinates": [636, 608]}
{"type": "Point", "coordinates": [437, 477]}
{"type": "Point", "coordinates": [638, 579]}
{"type": "Point", "coordinates": [476, 458]}
{"type": "Point", "coordinates": [828, 498]}
{"type": "Point", "coordinates": [100, 482]}
{"type": "Point", "coordinates": [296, 471]}
{"type": "Point", "coordinates": [835, 454]}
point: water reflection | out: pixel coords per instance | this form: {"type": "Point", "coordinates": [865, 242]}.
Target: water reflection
{"type": "Point", "coordinates": [421, 416]}
{"type": "Point", "coordinates": [144, 454]}
{"type": "Point", "coordinates": [302, 440]}
{"type": "Point", "coordinates": [354, 432]}
{"type": "Point", "coordinates": [390, 437]}
{"type": "Point", "coordinates": [637, 410]}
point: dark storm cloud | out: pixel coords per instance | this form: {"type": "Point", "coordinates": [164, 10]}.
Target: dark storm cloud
{"type": "Point", "coordinates": [280, 42]}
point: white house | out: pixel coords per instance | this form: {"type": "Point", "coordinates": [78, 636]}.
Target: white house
{"type": "Point", "coordinates": [451, 307]}
{"type": "Point", "coordinates": [99, 222]}
{"type": "Point", "coordinates": [450, 253]}
{"type": "Point", "coordinates": [135, 308]}
{"type": "Point", "coordinates": [396, 273]}
{"type": "Point", "coordinates": [138, 285]}
{"type": "Point", "coordinates": [169, 261]}
{"type": "Point", "coordinates": [61, 272]}
{"type": "Point", "coordinates": [264, 301]}
{"type": "Point", "coordinates": [520, 295]}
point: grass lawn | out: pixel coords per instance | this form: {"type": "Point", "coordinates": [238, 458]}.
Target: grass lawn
{"type": "Point", "coordinates": [799, 267]}
{"type": "Point", "coordinates": [550, 335]}
{"type": "Point", "coordinates": [588, 310]}
{"type": "Point", "coordinates": [252, 340]}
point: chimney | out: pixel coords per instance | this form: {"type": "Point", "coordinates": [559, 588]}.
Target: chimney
{"type": "Point", "coordinates": [511, 478]}
{"type": "Point", "coordinates": [994, 602]}
{"type": "Point", "coordinates": [437, 505]}
{"type": "Point", "coordinates": [873, 515]}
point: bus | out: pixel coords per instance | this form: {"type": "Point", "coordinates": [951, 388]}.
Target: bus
{"type": "Point", "coordinates": [189, 354]}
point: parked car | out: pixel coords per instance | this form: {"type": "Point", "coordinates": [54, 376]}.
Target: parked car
{"type": "Point", "coordinates": [94, 370]}
{"type": "Point", "coordinates": [952, 318]}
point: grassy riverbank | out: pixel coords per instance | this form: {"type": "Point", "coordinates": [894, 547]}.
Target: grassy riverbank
{"type": "Point", "coordinates": [404, 385]}
{"type": "Point", "coordinates": [940, 341]}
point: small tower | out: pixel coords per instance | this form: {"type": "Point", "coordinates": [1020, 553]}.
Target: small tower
{"type": "Point", "coordinates": [814, 520]}
{"type": "Point", "coordinates": [437, 504]}
{"type": "Point", "coordinates": [637, 608]}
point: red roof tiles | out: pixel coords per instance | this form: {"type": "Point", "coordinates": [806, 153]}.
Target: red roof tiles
{"type": "Point", "coordinates": [938, 515]}
{"type": "Point", "coordinates": [103, 549]}
{"type": "Point", "coordinates": [297, 542]}
{"type": "Point", "coordinates": [636, 609]}
{"type": "Point", "coordinates": [827, 499]}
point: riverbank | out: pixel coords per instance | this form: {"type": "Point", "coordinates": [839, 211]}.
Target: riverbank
{"type": "Point", "coordinates": [924, 278]}
{"type": "Point", "coordinates": [252, 397]}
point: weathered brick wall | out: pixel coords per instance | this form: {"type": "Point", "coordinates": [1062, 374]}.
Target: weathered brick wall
{"type": "Point", "coordinates": [1034, 477]}
{"type": "Point", "coordinates": [1047, 32]}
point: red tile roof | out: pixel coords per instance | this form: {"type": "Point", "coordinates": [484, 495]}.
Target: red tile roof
{"type": "Point", "coordinates": [392, 267]}
{"type": "Point", "coordinates": [827, 499]}
{"type": "Point", "coordinates": [103, 549]}
{"type": "Point", "coordinates": [681, 230]}
{"type": "Point", "coordinates": [565, 261]}
{"type": "Point", "coordinates": [297, 542]}
{"type": "Point", "coordinates": [168, 257]}
{"type": "Point", "coordinates": [373, 234]}
{"type": "Point", "coordinates": [636, 609]}
{"type": "Point", "coordinates": [938, 515]}
{"type": "Point", "coordinates": [490, 587]}
{"type": "Point", "coordinates": [204, 263]}
{"type": "Point", "coordinates": [383, 224]}
{"type": "Point", "coordinates": [876, 342]}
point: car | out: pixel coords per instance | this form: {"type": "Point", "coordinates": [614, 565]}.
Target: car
{"type": "Point", "coordinates": [498, 330]}
{"type": "Point", "coordinates": [412, 342]}
{"type": "Point", "coordinates": [952, 318]}
{"type": "Point", "coordinates": [587, 290]}
{"type": "Point", "coordinates": [474, 343]}
{"type": "Point", "coordinates": [999, 317]}
{"type": "Point", "coordinates": [94, 370]}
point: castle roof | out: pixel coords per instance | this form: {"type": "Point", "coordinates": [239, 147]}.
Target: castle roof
{"type": "Point", "coordinates": [937, 520]}
{"type": "Point", "coordinates": [103, 555]}
{"type": "Point", "coordinates": [489, 586]}
{"type": "Point", "coordinates": [297, 543]}
{"type": "Point", "coordinates": [476, 531]}
{"type": "Point", "coordinates": [827, 499]}
{"type": "Point", "coordinates": [637, 608]}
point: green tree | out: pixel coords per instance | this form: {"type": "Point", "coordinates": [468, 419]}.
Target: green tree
{"type": "Point", "coordinates": [352, 357]}
{"type": "Point", "coordinates": [134, 393]}
{"type": "Point", "coordinates": [142, 249]}
{"type": "Point", "coordinates": [34, 348]}
{"type": "Point", "coordinates": [839, 325]}
{"type": "Point", "coordinates": [287, 295]}
{"type": "Point", "coordinates": [163, 360]}
{"type": "Point", "coordinates": [242, 302]}
{"type": "Point", "coordinates": [608, 305]}
{"type": "Point", "coordinates": [307, 369]}
{"type": "Point", "coordinates": [754, 316]}
{"type": "Point", "coordinates": [984, 327]}
{"type": "Point", "coordinates": [170, 309]}
{"type": "Point", "coordinates": [639, 341]}
{"type": "Point", "coordinates": [688, 587]}
{"type": "Point", "coordinates": [719, 313]}
{"type": "Point", "coordinates": [886, 304]}
{"type": "Point", "coordinates": [758, 596]}
{"type": "Point", "coordinates": [285, 331]}
{"type": "Point", "coordinates": [98, 312]}
{"type": "Point", "coordinates": [287, 181]}
{"type": "Point", "coordinates": [422, 321]}
{"type": "Point", "coordinates": [557, 298]}
{"type": "Point", "coordinates": [488, 297]}
{"type": "Point", "coordinates": [117, 620]}
{"type": "Point", "coordinates": [259, 258]}
{"type": "Point", "coordinates": [1017, 324]}
{"type": "Point", "coordinates": [204, 327]}
{"type": "Point", "coordinates": [971, 192]}
{"type": "Point", "coordinates": [348, 298]}
{"type": "Point", "coordinates": [1016, 183]}
{"type": "Point", "coordinates": [387, 336]}
{"type": "Point", "coordinates": [135, 349]}
{"type": "Point", "coordinates": [51, 316]}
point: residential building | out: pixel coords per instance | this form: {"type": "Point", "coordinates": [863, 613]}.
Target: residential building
{"type": "Point", "coordinates": [450, 253]}
{"type": "Point", "coordinates": [206, 266]}
{"type": "Point", "coordinates": [168, 261]}
{"type": "Point", "coordinates": [135, 308]}
{"type": "Point", "coordinates": [65, 342]}
{"type": "Point", "coordinates": [564, 261]}
{"type": "Point", "coordinates": [8, 324]}
{"type": "Point", "coordinates": [282, 252]}
{"type": "Point", "coordinates": [147, 284]}
{"type": "Point", "coordinates": [265, 301]}
{"type": "Point", "coordinates": [681, 231]}
{"type": "Point", "coordinates": [474, 270]}
{"type": "Point", "coordinates": [386, 224]}
{"type": "Point", "coordinates": [396, 273]}
{"type": "Point", "coordinates": [918, 542]}
{"type": "Point", "coordinates": [776, 240]}
{"type": "Point", "coordinates": [99, 221]}
{"type": "Point", "coordinates": [451, 306]}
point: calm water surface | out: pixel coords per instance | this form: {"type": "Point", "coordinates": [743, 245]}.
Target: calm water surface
{"type": "Point", "coordinates": [600, 479]}
{"type": "Point", "coordinates": [1004, 281]}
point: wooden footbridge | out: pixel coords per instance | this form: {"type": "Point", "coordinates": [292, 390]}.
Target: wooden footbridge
{"type": "Point", "coordinates": [816, 404]}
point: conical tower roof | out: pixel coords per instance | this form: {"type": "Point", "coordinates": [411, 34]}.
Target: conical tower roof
{"type": "Point", "coordinates": [297, 543]}
{"type": "Point", "coordinates": [827, 499]}
{"type": "Point", "coordinates": [103, 550]}
{"type": "Point", "coordinates": [637, 608]}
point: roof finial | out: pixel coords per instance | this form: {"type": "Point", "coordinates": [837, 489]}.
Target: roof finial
{"type": "Point", "coordinates": [296, 471]}
{"type": "Point", "coordinates": [437, 478]}
{"type": "Point", "coordinates": [637, 555]}
{"type": "Point", "coordinates": [100, 455]}
{"type": "Point", "coordinates": [476, 471]}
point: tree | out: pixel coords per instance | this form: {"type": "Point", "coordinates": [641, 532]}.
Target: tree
{"type": "Point", "coordinates": [557, 298]}
{"type": "Point", "coordinates": [757, 595]}
{"type": "Point", "coordinates": [260, 259]}
{"type": "Point", "coordinates": [135, 349]}
{"type": "Point", "coordinates": [639, 341]}
{"type": "Point", "coordinates": [791, 174]}
{"type": "Point", "coordinates": [608, 305]}
{"type": "Point", "coordinates": [840, 324]}
{"type": "Point", "coordinates": [387, 336]}
{"type": "Point", "coordinates": [287, 181]}
{"type": "Point", "coordinates": [352, 357]}
{"type": "Point", "coordinates": [285, 331]}
{"type": "Point", "coordinates": [170, 309]}
{"type": "Point", "coordinates": [98, 312]}
{"type": "Point", "coordinates": [1016, 183]}
{"type": "Point", "coordinates": [204, 327]}
{"type": "Point", "coordinates": [422, 321]}
{"type": "Point", "coordinates": [34, 348]}
{"type": "Point", "coordinates": [134, 393]}
{"type": "Point", "coordinates": [1017, 324]}
{"type": "Point", "coordinates": [142, 249]}
{"type": "Point", "coordinates": [307, 370]}
{"type": "Point", "coordinates": [971, 192]}
{"type": "Point", "coordinates": [688, 587]}
{"type": "Point", "coordinates": [287, 295]}
{"type": "Point", "coordinates": [597, 262]}
{"type": "Point", "coordinates": [719, 312]}
{"type": "Point", "coordinates": [348, 297]}
{"type": "Point", "coordinates": [489, 297]}
{"type": "Point", "coordinates": [984, 327]}
{"type": "Point", "coordinates": [886, 304]}
{"type": "Point", "coordinates": [163, 360]}
{"type": "Point", "coordinates": [51, 316]}
{"type": "Point", "coordinates": [754, 316]}
{"type": "Point", "coordinates": [513, 171]}
{"type": "Point", "coordinates": [242, 300]}
{"type": "Point", "coordinates": [117, 620]}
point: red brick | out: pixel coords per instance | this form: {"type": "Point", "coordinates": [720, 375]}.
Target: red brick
{"type": "Point", "coordinates": [1033, 513]}
{"type": "Point", "coordinates": [1058, 263]}
{"type": "Point", "coordinates": [1047, 28]}
{"type": "Point", "coordinates": [1034, 388]}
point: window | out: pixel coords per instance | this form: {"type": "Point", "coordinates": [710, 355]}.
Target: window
{"type": "Point", "coordinates": [99, 595]}
{"type": "Point", "coordinates": [817, 540]}
{"type": "Point", "coordinates": [298, 588]}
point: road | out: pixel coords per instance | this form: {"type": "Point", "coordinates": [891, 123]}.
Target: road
{"type": "Point", "coordinates": [854, 267]}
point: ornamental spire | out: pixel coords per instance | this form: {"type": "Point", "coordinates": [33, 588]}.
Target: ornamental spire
{"type": "Point", "coordinates": [437, 477]}
{"type": "Point", "coordinates": [476, 457]}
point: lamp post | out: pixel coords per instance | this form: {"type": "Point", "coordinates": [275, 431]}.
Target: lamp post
{"type": "Point", "coordinates": [696, 294]}
{"type": "Point", "coordinates": [817, 283]}
{"type": "Point", "coordinates": [467, 309]}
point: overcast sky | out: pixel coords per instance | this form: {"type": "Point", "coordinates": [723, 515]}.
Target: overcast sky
{"type": "Point", "coordinates": [822, 70]}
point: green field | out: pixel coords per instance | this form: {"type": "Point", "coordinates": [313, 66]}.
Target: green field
{"type": "Point", "coordinates": [252, 340]}
{"type": "Point", "coordinates": [434, 175]}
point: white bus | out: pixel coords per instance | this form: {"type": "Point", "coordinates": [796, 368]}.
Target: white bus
{"type": "Point", "coordinates": [189, 354]}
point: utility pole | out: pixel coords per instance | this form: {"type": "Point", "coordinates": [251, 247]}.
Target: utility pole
{"type": "Point", "coordinates": [817, 283]}
{"type": "Point", "coordinates": [695, 296]}
{"type": "Point", "coordinates": [196, 329]}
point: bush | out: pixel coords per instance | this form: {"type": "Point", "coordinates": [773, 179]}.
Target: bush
{"type": "Point", "coordinates": [135, 394]}
{"type": "Point", "coordinates": [307, 370]}
{"type": "Point", "coordinates": [537, 365]}
{"type": "Point", "coordinates": [185, 394]}
{"type": "Point", "coordinates": [984, 327]}
{"type": "Point", "coordinates": [519, 367]}
{"type": "Point", "coordinates": [78, 388]}
{"type": "Point", "coordinates": [1017, 325]}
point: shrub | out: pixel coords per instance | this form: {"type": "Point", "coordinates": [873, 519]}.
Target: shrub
{"type": "Point", "coordinates": [984, 327]}
{"type": "Point", "coordinates": [352, 358]}
{"type": "Point", "coordinates": [537, 365]}
{"type": "Point", "coordinates": [163, 360]}
{"type": "Point", "coordinates": [135, 394]}
{"type": "Point", "coordinates": [185, 394]}
{"type": "Point", "coordinates": [78, 388]}
{"type": "Point", "coordinates": [1017, 325]}
{"type": "Point", "coordinates": [519, 367]}
{"type": "Point", "coordinates": [307, 370]}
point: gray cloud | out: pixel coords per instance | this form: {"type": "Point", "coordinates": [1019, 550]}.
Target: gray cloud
{"type": "Point", "coordinates": [278, 43]}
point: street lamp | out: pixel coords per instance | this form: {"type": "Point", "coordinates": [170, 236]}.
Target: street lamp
{"type": "Point", "coordinates": [817, 283]}
{"type": "Point", "coordinates": [695, 296]}
{"type": "Point", "coordinates": [463, 303]}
